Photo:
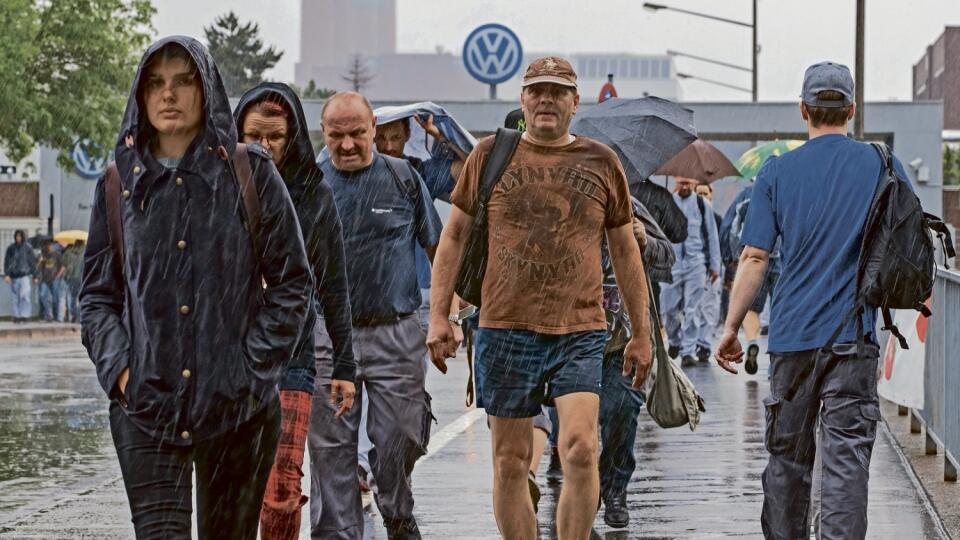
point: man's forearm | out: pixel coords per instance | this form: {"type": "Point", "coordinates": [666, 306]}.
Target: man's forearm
{"type": "Point", "coordinates": [445, 269]}
{"type": "Point", "coordinates": [746, 285]}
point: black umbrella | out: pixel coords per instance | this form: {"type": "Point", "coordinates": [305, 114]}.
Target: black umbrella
{"type": "Point", "coordinates": [644, 132]}
{"type": "Point", "coordinates": [38, 241]}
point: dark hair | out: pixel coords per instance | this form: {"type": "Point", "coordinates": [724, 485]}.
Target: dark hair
{"type": "Point", "coordinates": [829, 116]}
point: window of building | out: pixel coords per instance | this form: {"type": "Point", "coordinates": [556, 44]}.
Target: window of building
{"type": "Point", "coordinates": [634, 69]}
{"type": "Point", "coordinates": [664, 69]}
{"type": "Point", "coordinates": [592, 69]}
{"type": "Point", "coordinates": [645, 69]}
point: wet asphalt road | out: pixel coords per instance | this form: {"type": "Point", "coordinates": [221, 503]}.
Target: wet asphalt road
{"type": "Point", "coordinates": [59, 477]}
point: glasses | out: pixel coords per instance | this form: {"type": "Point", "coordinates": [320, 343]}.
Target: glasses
{"type": "Point", "coordinates": [273, 139]}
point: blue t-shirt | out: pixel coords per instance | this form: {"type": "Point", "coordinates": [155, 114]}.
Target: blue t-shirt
{"type": "Point", "coordinates": [436, 176]}
{"type": "Point", "coordinates": [381, 227]}
{"type": "Point", "coordinates": [815, 199]}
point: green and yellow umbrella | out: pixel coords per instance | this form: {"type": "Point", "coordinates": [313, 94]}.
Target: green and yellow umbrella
{"type": "Point", "coordinates": [750, 162]}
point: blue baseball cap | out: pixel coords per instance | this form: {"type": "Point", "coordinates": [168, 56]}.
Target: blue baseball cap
{"type": "Point", "coordinates": [827, 76]}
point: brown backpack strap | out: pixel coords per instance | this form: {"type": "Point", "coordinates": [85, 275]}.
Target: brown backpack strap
{"type": "Point", "coordinates": [248, 192]}
{"type": "Point", "coordinates": [112, 190]}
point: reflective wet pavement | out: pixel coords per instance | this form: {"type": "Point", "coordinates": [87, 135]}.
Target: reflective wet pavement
{"type": "Point", "coordinates": [59, 478]}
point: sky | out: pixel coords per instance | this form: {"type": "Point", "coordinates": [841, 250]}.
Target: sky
{"type": "Point", "coordinates": [792, 34]}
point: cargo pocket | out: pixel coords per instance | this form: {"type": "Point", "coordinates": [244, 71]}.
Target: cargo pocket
{"type": "Point", "coordinates": [772, 439]}
{"type": "Point", "coordinates": [427, 419]}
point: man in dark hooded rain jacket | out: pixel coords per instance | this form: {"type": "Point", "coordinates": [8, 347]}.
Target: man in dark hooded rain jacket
{"type": "Point", "coordinates": [271, 114]}
{"type": "Point", "coordinates": [20, 267]}
{"type": "Point", "coordinates": [187, 341]}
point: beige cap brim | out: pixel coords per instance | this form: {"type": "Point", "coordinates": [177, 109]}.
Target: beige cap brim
{"type": "Point", "coordinates": [548, 79]}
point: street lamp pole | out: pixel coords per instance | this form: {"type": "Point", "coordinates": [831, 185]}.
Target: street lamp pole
{"type": "Point", "coordinates": [756, 51]}
{"type": "Point", "coordinates": [858, 98]}
{"type": "Point", "coordinates": [712, 81]}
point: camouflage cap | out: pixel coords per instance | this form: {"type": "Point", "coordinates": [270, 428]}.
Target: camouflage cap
{"type": "Point", "coordinates": [551, 69]}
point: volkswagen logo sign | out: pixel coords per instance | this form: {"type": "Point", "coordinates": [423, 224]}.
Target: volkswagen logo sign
{"type": "Point", "coordinates": [492, 54]}
{"type": "Point", "coordinates": [87, 166]}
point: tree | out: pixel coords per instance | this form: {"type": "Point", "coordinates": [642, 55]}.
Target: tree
{"type": "Point", "coordinates": [951, 166]}
{"type": "Point", "coordinates": [65, 72]}
{"type": "Point", "coordinates": [239, 52]}
{"type": "Point", "coordinates": [312, 92]}
{"type": "Point", "coordinates": [358, 75]}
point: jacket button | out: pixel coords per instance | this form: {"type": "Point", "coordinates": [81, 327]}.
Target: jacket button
{"type": "Point", "coordinates": [136, 170]}
{"type": "Point", "coordinates": [182, 244]}
{"type": "Point", "coordinates": [126, 194]}
{"type": "Point", "coordinates": [185, 309]}
{"type": "Point", "coordinates": [186, 374]}
{"type": "Point", "coordinates": [185, 435]}
{"type": "Point", "coordinates": [179, 181]}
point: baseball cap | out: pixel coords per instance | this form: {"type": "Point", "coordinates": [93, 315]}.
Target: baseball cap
{"type": "Point", "coordinates": [827, 76]}
{"type": "Point", "coordinates": [551, 69]}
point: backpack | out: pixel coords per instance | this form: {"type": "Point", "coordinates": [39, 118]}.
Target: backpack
{"type": "Point", "coordinates": [736, 229]}
{"type": "Point", "coordinates": [896, 265]}
{"type": "Point", "coordinates": [473, 263]}
{"type": "Point", "coordinates": [242, 173]}
{"type": "Point", "coordinates": [403, 174]}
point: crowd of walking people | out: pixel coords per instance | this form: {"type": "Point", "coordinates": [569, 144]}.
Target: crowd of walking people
{"type": "Point", "coordinates": [245, 302]}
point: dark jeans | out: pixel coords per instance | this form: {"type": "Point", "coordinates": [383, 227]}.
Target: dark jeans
{"type": "Point", "coordinates": [847, 407]}
{"type": "Point", "coordinates": [232, 472]}
{"type": "Point", "coordinates": [620, 406]}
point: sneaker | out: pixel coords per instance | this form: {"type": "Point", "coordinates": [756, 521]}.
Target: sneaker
{"type": "Point", "coordinates": [555, 470]}
{"type": "Point", "coordinates": [687, 361]}
{"type": "Point", "coordinates": [534, 491]}
{"type": "Point", "coordinates": [616, 514]}
{"type": "Point", "coordinates": [753, 350]}
{"type": "Point", "coordinates": [703, 354]}
{"type": "Point", "coordinates": [402, 529]}
{"type": "Point", "coordinates": [673, 351]}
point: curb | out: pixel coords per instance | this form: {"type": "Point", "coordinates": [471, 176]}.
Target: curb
{"type": "Point", "coordinates": [31, 332]}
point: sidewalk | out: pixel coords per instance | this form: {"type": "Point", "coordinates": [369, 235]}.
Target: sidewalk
{"type": "Point", "coordinates": [38, 330]}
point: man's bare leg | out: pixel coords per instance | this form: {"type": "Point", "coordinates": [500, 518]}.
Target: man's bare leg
{"type": "Point", "coordinates": [512, 448]}
{"type": "Point", "coordinates": [539, 443]}
{"type": "Point", "coordinates": [579, 449]}
{"type": "Point", "coordinates": [751, 326]}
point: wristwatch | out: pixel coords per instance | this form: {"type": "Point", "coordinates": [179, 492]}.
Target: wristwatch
{"type": "Point", "coordinates": [463, 314]}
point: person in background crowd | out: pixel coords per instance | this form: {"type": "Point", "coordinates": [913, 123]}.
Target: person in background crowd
{"type": "Point", "coordinates": [20, 269]}
{"type": "Point", "coordinates": [698, 263]}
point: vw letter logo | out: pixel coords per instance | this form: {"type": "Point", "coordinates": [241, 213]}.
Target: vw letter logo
{"type": "Point", "coordinates": [492, 54]}
{"type": "Point", "coordinates": [86, 166]}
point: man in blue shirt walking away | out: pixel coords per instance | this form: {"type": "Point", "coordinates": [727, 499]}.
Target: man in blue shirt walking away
{"type": "Point", "coordinates": [815, 200]}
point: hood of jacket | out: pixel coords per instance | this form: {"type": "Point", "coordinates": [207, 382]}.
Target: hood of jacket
{"type": "Point", "coordinates": [298, 166]}
{"type": "Point", "coordinates": [203, 157]}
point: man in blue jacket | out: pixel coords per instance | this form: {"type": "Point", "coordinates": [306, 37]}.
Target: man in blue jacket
{"type": "Point", "coordinates": [190, 326]}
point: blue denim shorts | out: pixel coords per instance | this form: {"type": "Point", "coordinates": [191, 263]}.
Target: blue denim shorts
{"type": "Point", "coordinates": [518, 371]}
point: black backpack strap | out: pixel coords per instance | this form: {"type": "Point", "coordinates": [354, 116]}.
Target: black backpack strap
{"type": "Point", "coordinates": [504, 145]}
{"type": "Point", "coordinates": [808, 369]}
{"type": "Point", "coordinates": [248, 193]}
{"type": "Point", "coordinates": [888, 325]}
{"type": "Point", "coordinates": [403, 174]}
{"type": "Point", "coordinates": [703, 229]}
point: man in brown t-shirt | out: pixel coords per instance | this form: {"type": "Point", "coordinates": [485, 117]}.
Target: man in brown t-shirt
{"type": "Point", "coordinates": [542, 328]}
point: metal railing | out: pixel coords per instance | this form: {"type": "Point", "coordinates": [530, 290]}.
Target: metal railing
{"type": "Point", "coordinates": [941, 412]}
